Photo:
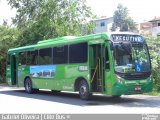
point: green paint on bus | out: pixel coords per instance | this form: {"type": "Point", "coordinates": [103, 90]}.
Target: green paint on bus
{"type": "Point", "coordinates": [105, 63]}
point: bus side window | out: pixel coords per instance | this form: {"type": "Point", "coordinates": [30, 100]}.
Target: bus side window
{"type": "Point", "coordinates": [32, 57]}
{"type": "Point", "coordinates": [78, 53]}
{"type": "Point", "coordinates": [29, 58]}
{"type": "Point", "coordinates": [107, 58]}
{"type": "Point", "coordinates": [45, 56]}
{"type": "Point", "coordinates": [22, 58]}
{"type": "Point", "coordinates": [60, 54]}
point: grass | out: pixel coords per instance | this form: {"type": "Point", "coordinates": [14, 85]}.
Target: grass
{"type": "Point", "coordinates": [154, 93]}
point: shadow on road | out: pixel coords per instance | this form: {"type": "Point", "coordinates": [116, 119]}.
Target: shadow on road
{"type": "Point", "coordinates": [73, 99]}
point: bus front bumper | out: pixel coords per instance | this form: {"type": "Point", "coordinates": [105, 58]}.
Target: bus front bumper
{"type": "Point", "coordinates": [119, 89]}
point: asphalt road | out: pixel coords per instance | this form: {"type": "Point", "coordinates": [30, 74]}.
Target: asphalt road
{"type": "Point", "coordinates": [15, 100]}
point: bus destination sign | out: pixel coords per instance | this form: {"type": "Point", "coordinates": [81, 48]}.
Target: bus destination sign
{"type": "Point", "coordinates": [123, 37]}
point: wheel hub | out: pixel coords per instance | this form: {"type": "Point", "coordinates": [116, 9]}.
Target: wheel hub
{"type": "Point", "coordinates": [28, 86]}
{"type": "Point", "coordinates": [83, 90]}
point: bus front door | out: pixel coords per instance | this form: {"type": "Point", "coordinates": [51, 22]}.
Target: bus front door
{"type": "Point", "coordinates": [96, 66]}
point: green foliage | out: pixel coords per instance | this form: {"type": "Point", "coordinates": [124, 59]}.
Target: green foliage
{"type": "Point", "coordinates": [44, 19]}
{"type": "Point", "coordinates": [154, 49]}
{"type": "Point", "coordinates": [8, 37]}
{"type": "Point", "coordinates": [122, 20]}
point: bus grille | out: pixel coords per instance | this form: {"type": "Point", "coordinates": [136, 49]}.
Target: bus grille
{"type": "Point", "coordinates": [134, 76]}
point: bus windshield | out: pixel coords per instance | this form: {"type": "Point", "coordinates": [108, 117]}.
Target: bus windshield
{"type": "Point", "coordinates": [131, 57]}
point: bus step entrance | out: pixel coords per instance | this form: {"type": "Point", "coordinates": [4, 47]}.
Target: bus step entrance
{"type": "Point", "coordinates": [96, 71]}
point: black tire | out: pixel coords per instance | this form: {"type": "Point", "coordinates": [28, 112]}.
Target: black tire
{"type": "Point", "coordinates": [55, 91]}
{"type": "Point", "coordinates": [28, 85]}
{"type": "Point", "coordinates": [35, 90]}
{"type": "Point", "coordinates": [116, 96]}
{"type": "Point", "coordinates": [84, 90]}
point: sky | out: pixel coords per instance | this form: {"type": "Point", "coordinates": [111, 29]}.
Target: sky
{"type": "Point", "coordinates": [139, 10]}
{"type": "Point", "coordinates": [6, 12]}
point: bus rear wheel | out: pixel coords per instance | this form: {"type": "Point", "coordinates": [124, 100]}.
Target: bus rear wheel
{"type": "Point", "coordinates": [28, 85]}
{"type": "Point", "coordinates": [84, 90]}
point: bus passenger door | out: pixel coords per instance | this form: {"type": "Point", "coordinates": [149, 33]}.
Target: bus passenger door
{"type": "Point", "coordinates": [107, 73]}
{"type": "Point", "coordinates": [13, 70]}
{"type": "Point", "coordinates": [96, 65]}
{"type": "Point", "coordinates": [8, 69]}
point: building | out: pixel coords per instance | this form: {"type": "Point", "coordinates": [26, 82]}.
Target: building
{"type": "Point", "coordinates": [151, 28]}
{"type": "Point", "coordinates": [155, 26]}
{"type": "Point", "coordinates": [103, 24]}
{"type": "Point", "coordinates": [145, 28]}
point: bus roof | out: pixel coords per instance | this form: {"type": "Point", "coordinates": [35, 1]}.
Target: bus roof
{"type": "Point", "coordinates": [72, 40]}
{"type": "Point", "coordinates": [25, 48]}
{"type": "Point", "coordinates": [61, 41]}
{"type": "Point", "coordinates": [67, 40]}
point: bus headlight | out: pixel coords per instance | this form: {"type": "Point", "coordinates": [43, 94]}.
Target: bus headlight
{"type": "Point", "coordinates": [119, 79]}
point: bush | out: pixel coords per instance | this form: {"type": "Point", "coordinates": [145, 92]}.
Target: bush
{"type": "Point", "coordinates": [156, 78]}
{"type": "Point", "coordinates": [154, 49]}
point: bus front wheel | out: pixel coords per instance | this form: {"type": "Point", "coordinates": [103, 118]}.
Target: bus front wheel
{"type": "Point", "coordinates": [28, 85]}
{"type": "Point", "coordinates": [84, 90]}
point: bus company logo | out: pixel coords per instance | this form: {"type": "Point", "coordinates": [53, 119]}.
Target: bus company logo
{"type": "Point", "coordinates": [150, 117]}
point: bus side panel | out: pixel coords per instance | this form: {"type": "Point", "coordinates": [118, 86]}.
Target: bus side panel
{"type": "Point", "coordinates": [64, 78]}
{"type": "Point", "coordinates": [43, 83]}
{"type": "Point", "coordinates": [42, 79]}
{"type": "Point", "coordinates": [43, 76]}
{"type": "Point", "coordinates": [23, 71]}
{"type": "Point", "coordinates": [72, 72]}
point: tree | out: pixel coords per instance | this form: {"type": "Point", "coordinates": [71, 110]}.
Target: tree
{"type": "Point", "coordinates": [8, 36]}
{"type": "Point", "coordinates": [43, 19]}
{"type": "Point", "coordinates": [122, 20]}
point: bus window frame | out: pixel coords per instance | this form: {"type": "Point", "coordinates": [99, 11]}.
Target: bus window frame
{"type": "Point", "coordinates": [107, 62]}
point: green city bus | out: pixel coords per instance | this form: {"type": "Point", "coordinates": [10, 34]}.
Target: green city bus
{"type": "Point", "coordinates": [112, 64]}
